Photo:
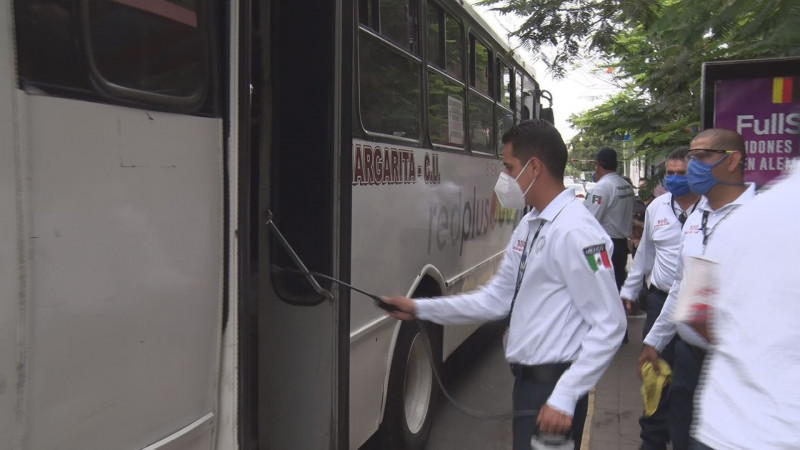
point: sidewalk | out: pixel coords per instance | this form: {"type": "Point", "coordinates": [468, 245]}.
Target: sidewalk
{"type": "Point", "coordinates": [616, 404]}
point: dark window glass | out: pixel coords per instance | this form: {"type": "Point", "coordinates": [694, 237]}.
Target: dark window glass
{"type": "Point", "coordinates": [481, 129]}
{"type": "Point", "coordinates": [368, 13]}
{"type": "Point", "coordinates": [506, 86]}
{"type": "Point", "coordinates": [435, 38]}
{"type": "Point", "coordinates": [505, 120]}
{"type": "Point", "coordinates": [454, 47]}
{"type": "Point", "coordinates": [48, 55]}
{"type": "Point", "coordinates": [446, 110]}
{"type": "Point", "coordinates": [399, 23]}
{"type": "Point", "coordinates": [390, 83]}
{"type": "Point", "coordinates": [481, 69]}
{"type": "Point", "coordinates": [518, 86]}
{"type": "Point", "coordinates": [153, 46]}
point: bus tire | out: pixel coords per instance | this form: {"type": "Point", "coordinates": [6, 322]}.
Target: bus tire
{"type": "Point", "coordinates": [413, 390]}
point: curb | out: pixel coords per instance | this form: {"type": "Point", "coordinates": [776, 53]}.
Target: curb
{"type": "Point", "coordinates": [587, 426]}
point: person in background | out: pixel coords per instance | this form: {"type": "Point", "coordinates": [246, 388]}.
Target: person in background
{"type": "Point", "coordinates": [656, 262]}
{"type": "Point", "coordinates": [749, 396]}
{"type": "Point", "coordinates": [611, 203]}
{"type": "Point", "coordinates": [555, 284]}
{"type": "Point", "coordinates": [716, 171]}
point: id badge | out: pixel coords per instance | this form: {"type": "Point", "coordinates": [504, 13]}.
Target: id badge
{"type": "Point", "coordinates": [698, 292]}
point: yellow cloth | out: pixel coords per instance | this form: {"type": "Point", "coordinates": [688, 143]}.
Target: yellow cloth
{"type": "Point", "coordinates": [653, 384]}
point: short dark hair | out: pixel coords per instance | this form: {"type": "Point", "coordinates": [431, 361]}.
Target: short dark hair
{"type": "Point", "coordinates": [607, 158]}
{"type": "Point", "coordinates": [540, 139]}
{"type": "Point", "coordinates": [679, 154]}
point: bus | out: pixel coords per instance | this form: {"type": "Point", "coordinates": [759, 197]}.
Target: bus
{"type": "Point", "coordinates": [164, 166]}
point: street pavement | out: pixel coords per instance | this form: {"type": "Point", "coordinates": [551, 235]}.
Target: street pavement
{"type": "Point", "coordinates": [478, 377]}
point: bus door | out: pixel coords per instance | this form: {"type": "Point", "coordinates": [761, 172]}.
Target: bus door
{"type": "Point", "coordinates": [120, 235]}
{"type": "Point", "coordinates": [294, 130]}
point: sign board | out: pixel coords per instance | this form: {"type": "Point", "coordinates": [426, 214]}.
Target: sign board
{"type": "Point", "coordinates": [759, 99]}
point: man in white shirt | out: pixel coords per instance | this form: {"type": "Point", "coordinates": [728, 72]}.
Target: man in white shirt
{"type": "Point", "coordinates": [611, 203]}
{"type": "Point", "coordinates": [656, 261]}
{"type": "Point", "coordinates": [716, 172]}
{"type": "Point", "coordinates": [555, 282]}
{"type": "Point", "coordinates": [750, 394]}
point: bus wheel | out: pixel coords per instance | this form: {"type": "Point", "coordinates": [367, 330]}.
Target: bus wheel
{"type": "Point", "coordinates": [413, 389]}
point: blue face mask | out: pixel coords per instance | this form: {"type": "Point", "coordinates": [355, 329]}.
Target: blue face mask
{"type": "Point", "coordinates": [699, 175]}
{"type": "Point", "coordinates": [678, 185]}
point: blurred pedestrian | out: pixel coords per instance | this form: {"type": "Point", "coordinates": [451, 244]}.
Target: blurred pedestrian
{"type": "Point", "coordinates": [749, 396]}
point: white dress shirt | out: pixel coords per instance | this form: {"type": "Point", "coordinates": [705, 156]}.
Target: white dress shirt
{"type": "Point", "coordinates": [657, 254]}
{"type": "Point", "coordinates": [567, 309]}
{"type": "Point", "coordinates": [611, 203]}
{"type": "Point", "coordinates": [665, 327]}
{"type": "Point", "coordinates": [749, 397]}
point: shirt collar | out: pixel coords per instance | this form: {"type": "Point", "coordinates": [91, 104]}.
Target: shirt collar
{"type": "Point", "coordinates": [749, 193]}
{"type": "Point", "coordinates": [554, 207]}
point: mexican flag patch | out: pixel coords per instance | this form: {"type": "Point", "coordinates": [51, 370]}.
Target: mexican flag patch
{"type": "Point", "coordinates": [597, 257]}
{"type": "Point", "coordinates": [597, 199]}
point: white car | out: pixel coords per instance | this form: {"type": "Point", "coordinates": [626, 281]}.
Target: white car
{"type": "Point", "coordinates": [580, 191]}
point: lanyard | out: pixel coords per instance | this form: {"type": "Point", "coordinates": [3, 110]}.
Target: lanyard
{"type": "Point", "coordinates": [523, 262]}
{"type": "Point", "coordinates": [704, 226]}
{"type": "Point", "coordinates": [682, 216]}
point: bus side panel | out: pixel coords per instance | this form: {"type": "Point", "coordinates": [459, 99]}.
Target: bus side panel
{"type": "Point", "coordinates": [438, 210]}
{"type": "Point", "coordinates": [11, 281]}
{"type": "Point", "coordinates": [127, 251]}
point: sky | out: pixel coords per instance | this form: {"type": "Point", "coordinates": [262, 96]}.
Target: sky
{"type": "Point", "coordinates": [583, 87]}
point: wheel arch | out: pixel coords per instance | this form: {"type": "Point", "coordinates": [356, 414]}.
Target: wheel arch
{"type": "Point", "coordinates": [429, 282]}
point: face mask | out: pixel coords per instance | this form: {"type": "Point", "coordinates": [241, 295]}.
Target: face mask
{"type": "Point", "coordinates": [678, 185]}
{"type": "Point", "coordinates": [699, 175]}
{"type": "Point", "coordinates": [508, 191]}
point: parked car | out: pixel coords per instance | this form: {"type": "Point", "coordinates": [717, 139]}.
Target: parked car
{"type": "Point", "coordinates": [580, 191]}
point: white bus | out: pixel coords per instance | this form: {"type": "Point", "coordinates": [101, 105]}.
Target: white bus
{"type": "Point", "coordinates": [144, 301]}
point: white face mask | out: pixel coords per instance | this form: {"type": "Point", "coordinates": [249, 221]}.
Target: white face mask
{"type": "Point", "coordinates": [508, 191]}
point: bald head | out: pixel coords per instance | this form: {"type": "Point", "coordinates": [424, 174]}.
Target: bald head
{"type": "Point", "coordinates": [720, 139]}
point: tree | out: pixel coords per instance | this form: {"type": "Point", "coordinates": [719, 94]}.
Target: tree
{"type": "Point", "coordinates": [655, 49]}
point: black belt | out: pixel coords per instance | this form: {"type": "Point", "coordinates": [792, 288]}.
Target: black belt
{"type": "Point", "coordinates": [653, 288]}
{"type": "Point", "coordinates": [543, 373]}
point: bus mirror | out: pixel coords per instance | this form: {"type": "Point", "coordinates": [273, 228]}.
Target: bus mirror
{"type": "Point", "coordinates": [547, 114]}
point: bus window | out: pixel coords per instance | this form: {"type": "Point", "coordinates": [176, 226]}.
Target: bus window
{"type": "Point", "coordinates": [506, 88]}
{"type": "Point", "coordinates": [454, 47]}
{"type": "Point", "coordinates": [445, 110]}
{"type": "Point", "coordinates": [153, 47]}
{"type": "Point", "coordinates": [520, 107]}
{"type": "Point", "coordinates": [481, 129]}
{"type": "Point", "coordinates": [435, 36]}
{"type": "Point", "coordinates": [480, 65]}
{"type": "Point", "coordinates": [390, 81]}
{"type": "Point", "coordinates": [396, 20]}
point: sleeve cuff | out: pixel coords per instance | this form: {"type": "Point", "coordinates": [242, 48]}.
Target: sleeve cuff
{"type": "Point", "coordinates": [630, 294]}
{"type": "Point", "coordinates": [564, 403]}
{"type": "Point", "coordinates": [657, 343]}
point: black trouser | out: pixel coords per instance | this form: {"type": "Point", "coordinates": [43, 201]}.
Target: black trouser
{"type": "Point", "coordinates": [619, 259]}
{"type": "Point", "coordinates": [655, 428]}
{"type": "Point", "coordinates": [685, 373]}
{"type": "Point", "coordinates": [532, 387]}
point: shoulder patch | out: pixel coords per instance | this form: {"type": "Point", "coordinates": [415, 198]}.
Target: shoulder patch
{"type": "Point", "coordinates": [597, 199]}
{"type": "Point", "coordinates": [597, 257]}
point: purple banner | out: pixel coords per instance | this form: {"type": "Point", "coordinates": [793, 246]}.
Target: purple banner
{"type": "Point", "coordinates": [766, 112]}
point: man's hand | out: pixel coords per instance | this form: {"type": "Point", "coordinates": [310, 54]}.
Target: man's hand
{"type": "Point", "coordinates": [407, 307]}
{"type": "Point", "coordinates": [553, 421]}
{"type": "Point", "coordinates": [628, 304]}
{"type": "Point", "coordinates": [648, 354]}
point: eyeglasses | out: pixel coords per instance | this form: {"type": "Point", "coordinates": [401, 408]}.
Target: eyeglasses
{"type": "Point", "coordinates": [704, 153]}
